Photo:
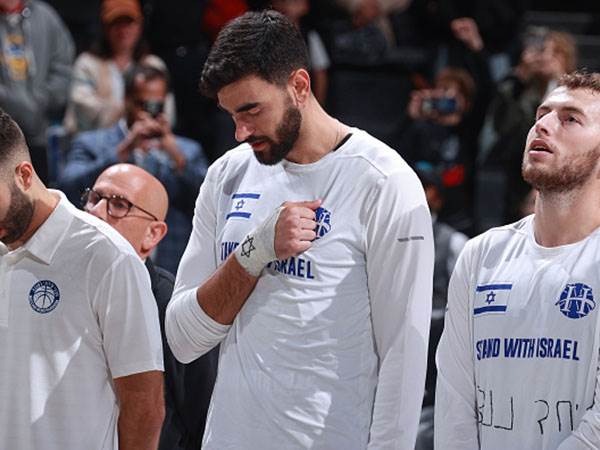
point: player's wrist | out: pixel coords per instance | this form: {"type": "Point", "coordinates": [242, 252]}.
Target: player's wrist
{"type": "Point", "coordinates": [257, 249]}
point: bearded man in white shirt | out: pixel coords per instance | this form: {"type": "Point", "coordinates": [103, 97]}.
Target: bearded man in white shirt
{"type": "Point", "coordinates": [518, 358]}
{"type": "Point", "coordinates": [79, 333]}
{"type": "Point", "coordinates": [310, 260]}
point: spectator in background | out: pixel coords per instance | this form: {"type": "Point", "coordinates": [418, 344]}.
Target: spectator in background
{"type": "Point", "coordinates": [218, 12]}
{"type": "Point", "coordinates": [295, 10]}
{"type": "Point", "coordinates": [176, 35]}
{"type": "Point", "coordinates": [448, 241]}
{"type": "Point", "coordinates": [468, 51]}
{"type": "Point", "coordinates": [136, 204]}
{"type": "Point", "coordinates": [143, 136]}
{"type": "Point", "coordinates": [35, 71]}
{"type": "Point", "coordinates": [545, 56]}
{"type": "Point", "coordinates": [364, 12]}
{"type": "Point", "coordinates": [448, 245]}
{"type": "Point", "coordinates": [81, 17]}
{"type": "Point", "coordinates": [440, 136]}
{"type": "Point", "coordinates": [497, 22]}
{"type": "Point", "coordinates": [96, 97]}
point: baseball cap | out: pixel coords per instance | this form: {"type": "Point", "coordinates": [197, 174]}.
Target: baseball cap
{"type": "Point", "coordinates": [113, 9]}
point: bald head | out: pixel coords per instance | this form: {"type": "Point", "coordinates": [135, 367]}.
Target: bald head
{"type": "Point", "coordinates": [139, 187]}
{"type": "Point", "coordinates": [150, 201]}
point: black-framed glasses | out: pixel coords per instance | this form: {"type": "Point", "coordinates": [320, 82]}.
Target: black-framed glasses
{"type": "Point", "coordinates": [116, 205]}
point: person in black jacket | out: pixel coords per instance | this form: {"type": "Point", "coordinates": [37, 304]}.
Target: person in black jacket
{"type": "Point", "coordinates": [135, 203]}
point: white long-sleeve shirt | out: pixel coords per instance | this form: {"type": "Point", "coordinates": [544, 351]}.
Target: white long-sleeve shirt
{"type": "Point", "coordinates": [518, 359]}
{"type": "Point", "coordinates": [329, 350]}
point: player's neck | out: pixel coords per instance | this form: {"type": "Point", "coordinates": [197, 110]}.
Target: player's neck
{"type": "Point", "coordinates": [566, 217]}
{"type": "Point", "coordinates": [44, 203]}
{"type": "Point", "coordinates": [320, 134]}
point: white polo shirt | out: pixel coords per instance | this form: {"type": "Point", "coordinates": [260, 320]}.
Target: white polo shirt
{"type": "Point", "coordinates": [76, 311]}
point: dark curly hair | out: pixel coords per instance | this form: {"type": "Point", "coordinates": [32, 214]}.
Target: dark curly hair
{"type": "Point", "coordinates": [265, 44]}
{"type": "Point", "coordinates": [12, 142]}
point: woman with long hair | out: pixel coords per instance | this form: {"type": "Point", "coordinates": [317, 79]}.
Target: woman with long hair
{"type": "Point", "coordinates": [96, 98]}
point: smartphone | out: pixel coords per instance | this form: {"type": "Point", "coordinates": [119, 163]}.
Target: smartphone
{"type": "Point", "coordinates": [154, 108]}
{"type": "Point", "coordinates": [441, 105]}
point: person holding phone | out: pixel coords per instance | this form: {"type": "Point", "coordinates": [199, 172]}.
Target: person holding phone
{"type": "Point", "coordinates": [440, 135]}
{"type": "Point", "coordinates": [143, 137]}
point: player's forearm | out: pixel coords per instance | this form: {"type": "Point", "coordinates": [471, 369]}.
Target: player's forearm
{"type": "Point", "coordinates": [587, 433]}
{"type": "Point", "coordinates": [141, 410]}
{"type": "Point", "coordinates": [455, 416]}
{"type": "Point", "coordinates": [190, 331]}
{"type": "Point", "coordinates": [139, 427]}
{"type": "Point", "coordinates": [399, 395]}
{"type": "Point", "coordinates": [197, 320]}
{"type": "Point", "coordinates": [224, 293]}
{"type": "Point", "coordinates": [222, 296]}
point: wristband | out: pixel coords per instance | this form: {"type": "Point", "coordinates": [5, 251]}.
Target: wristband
{"type": "Point", "coordinates": [258, 247]}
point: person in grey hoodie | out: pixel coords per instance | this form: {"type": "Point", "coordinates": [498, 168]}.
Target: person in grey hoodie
{"type": "Point", "coordinates": [36, 55]}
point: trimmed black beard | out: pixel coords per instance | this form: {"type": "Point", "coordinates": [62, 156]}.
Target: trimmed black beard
{"type": "Point", "coordinates": [19, 216]}
{"type": "Point", "coordinates": [287, 134]}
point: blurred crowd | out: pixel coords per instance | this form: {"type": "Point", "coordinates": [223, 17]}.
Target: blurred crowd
{"type": "Point", "coordinates": [452, 85]}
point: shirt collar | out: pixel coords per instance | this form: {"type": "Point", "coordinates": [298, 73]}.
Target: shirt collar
{"type": "Point", "coordinates": [49, 236]}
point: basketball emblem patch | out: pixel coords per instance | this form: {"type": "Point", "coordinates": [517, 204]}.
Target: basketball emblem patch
{"type": "Point", "coordinates": [576, 300]}
{"type": "Point", "coordinates": [44, 296]}
{"type": "Point", "coordinates": [323, 219]}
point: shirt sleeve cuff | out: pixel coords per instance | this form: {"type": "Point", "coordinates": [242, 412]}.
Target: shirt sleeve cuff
{"type": "Point", "coordinates": [190, 331]}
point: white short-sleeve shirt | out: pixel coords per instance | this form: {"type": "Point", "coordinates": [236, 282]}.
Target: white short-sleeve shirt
{"type": "Point", "coordinates": [76, 311]}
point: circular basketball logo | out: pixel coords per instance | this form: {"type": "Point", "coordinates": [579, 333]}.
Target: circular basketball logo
{"type": "Point", "coordinates": [576, 300]}
{"type": "Point", "coordinates": [44, 296]}
{"type": "Point", "coordinates": [323, 218]}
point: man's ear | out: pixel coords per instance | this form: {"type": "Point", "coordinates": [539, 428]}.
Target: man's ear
{"type": "Point", "coordinates": [299, 84]}
{"type": "Point", "coordinates": [24, 175]}
{"type": "Point", "coordinates": [155, 231]}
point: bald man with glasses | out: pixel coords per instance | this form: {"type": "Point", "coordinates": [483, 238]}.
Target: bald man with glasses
{"type": "Point", "coordinates": [135, 203]}
{"type": "Point", "coordinates": [143, 137]}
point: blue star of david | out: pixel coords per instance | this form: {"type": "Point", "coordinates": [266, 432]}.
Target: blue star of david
{"type": "Point", "coordinates": [239, 205]}
{"type": "Point", "coordinates": [491, 298]}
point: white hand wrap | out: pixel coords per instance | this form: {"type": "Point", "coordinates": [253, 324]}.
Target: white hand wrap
{"type": "Point", "coordinates": [258, 247]}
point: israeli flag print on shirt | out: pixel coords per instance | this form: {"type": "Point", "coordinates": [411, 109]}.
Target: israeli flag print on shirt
{"type": "Point", "coordinates": [491, 298]}
{"type": "Point", "coordinates": [242, 204]}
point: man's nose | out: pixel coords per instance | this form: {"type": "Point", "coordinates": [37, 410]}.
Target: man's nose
{"type": "Point", "coordinates": [243, 131]}
{"type": "Point", "coordinates": [100, 210]}
{"type": "Point", "coordinates": [545, 124]}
